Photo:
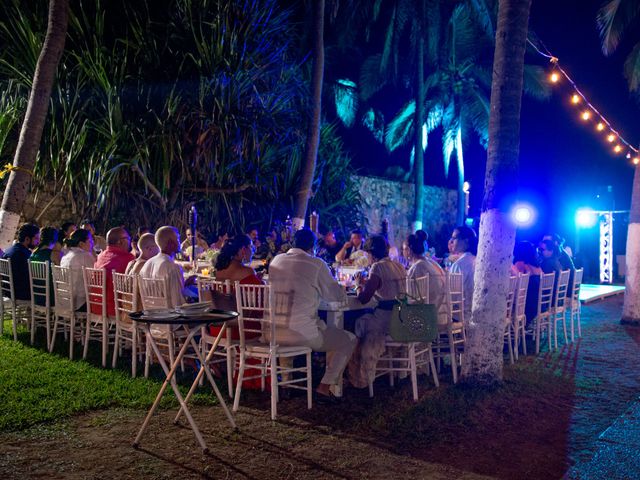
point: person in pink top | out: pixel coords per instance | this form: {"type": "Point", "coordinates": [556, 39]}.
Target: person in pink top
{"type": "Point", "coordinates": [115, 258]}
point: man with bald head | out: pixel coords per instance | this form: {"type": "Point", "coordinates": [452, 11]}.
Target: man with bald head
{"type": "Point", "coordinates": [148, 248]}
{"type": "Point", "coordinates": [116, 257]}
{"type": "Point", "coordinates": [163, 265]}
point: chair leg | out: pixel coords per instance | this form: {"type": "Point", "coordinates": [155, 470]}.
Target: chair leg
{"type": "Point", "coordinates": [147, 356]}
{"type": "Point", "coordinates": [578, 322]}
{"type": "Point", "coordinates": [538, 331]}
{"type": "Point", "coordinates": [509, 341]}
{"type": "Point", "coordinates": [87, 332]}
{"type": "Point", "coordinates": [236, 398]}
{"type": "Point", "coordinates": [105, 343]}
{"type": "Point", "coordinates": [414, 371]}
{"type": "Point", "coordinates": [309, 386]}
{"type": "Point", "coordinates": [454, 366]}
{"type": "Point", "coordinates": [116, 343]}
{"type": "Point", "coordinates": [571, 322]}
{"type": "Point", "coordinates": [134, 351]}
{"type": "Point", "coordinates": [434, 373]}
{"type": "Point", "coordinates": [564, 327]}
{"type": "Point", "coordinates": [274, 386]}
{"type": "Point", "coordinates": [14, 319]}
{"type": "Point", "coordinates": [72, 327]}
{"type": "Point", "coordinates": [230, 372]}
{"type": "Point", "coordinates": [554, 316]}
{"type": "Point", "coordinates": [48, 327]}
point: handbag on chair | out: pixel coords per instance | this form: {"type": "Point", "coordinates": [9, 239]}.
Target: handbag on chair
{"type": "Point", "coordinates": [413, 322]}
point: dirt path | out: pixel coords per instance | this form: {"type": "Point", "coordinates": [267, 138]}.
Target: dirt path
{"type": "Point", "coordinates": [546, 418]}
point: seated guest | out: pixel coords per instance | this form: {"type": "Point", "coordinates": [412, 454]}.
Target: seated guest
{"type": "Point", "coordinates": [18, 254]}
{"type": "Point", "coordinates": [525, 261]}
{"type": "Point", "coordinates": [414, 250]}
{"type": "Point", "coordinates": [46, 251]}
{"type": "Point", "coordinates": [563, 255]}
{"type": "Point", "coordinates": [464, 245]}
{"type": "Point", "coordinates": [187, 245]}
{"type": "Point", "coordinates": [147, 249]}
{"type": "Point", "coordinates": [387, 279]}
{"type": "Point", "coordinates": [221, 237]}
{"type": "Point", "coordinates": [79, 247]}
{"type": "Point", "coordinates": [115, 258]}
{"type": "Point", "coordinates": [65, 232]}
{"type": "Point", "coordinates": [135, 251]}
{"type": "Point", "coordinates": [99, 243]}
{"type": "Point", "coordinates": [328, 247]}
{"type": "Point", "coordinates": [163, 266]}
{"type": "Point", "coordinates": [550, 257]}
{"type": "Point", "coordinates": [304, 280]}
{"type": "Point", "coordinates": [351, 250]}
{"type": "Point", "coordinates": [255, 237]}
{"type": "Point", "coordinates": [231, 265]}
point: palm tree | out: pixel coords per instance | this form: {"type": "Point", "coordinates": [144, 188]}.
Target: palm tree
{"type": "Point", "coordinates": [614, 19]}
{"type": "Point", "coordinates": [483, 350]}
{"type": "Point", "coordinates": [17, 187]}
{"type": "Point", "coordinates": [457, 89]}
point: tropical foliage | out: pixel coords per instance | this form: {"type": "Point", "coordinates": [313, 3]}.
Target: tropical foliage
{"type": "Point", "coordinates": [161, 105]}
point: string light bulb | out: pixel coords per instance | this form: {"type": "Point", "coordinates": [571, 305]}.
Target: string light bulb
{"type": "Point", "coordinates": [617, 149]}
{"type": "Point", "coordinates": [636, 161]}
{"type": "Point", "coordinates": [554, 77]}
{"type": "Point", "coordinates": [600, 126]}
{"type": "Point", "coordinates": [586, 115]}
{"type": "Point", "coordinates": [575, 98]}
{"type": "Point", "coordinates": [611, 137]}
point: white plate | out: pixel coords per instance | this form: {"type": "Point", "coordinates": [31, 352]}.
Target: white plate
{"type": "Point", "coordinates": [194, 306]}
{"type": "Point", "coordinates": [161, 316]}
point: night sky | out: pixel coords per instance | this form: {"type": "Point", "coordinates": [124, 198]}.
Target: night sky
{"type": "Point", "coordinates": [564, 162]}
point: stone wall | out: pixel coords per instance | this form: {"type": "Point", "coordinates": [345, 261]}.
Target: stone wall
{"type": "Point", "coordinates": [382, 198]}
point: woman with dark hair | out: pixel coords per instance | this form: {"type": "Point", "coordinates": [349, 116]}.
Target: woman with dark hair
{"type": "Point", "coordinates": [46, 251]}
{"type": "Point", "coordinates": [80, 246]}
{"type": "Point", "coordinates": [526, 261]}
{"type": "Point", "coordinates": [387, 279]}
{"type": "Point", "coordinates": [464, 245]}
{"type": "Point", "coordinates": [414, 250]}
{"type": "Point", "coordinates": [221, 237]}
{"type": "Point", "coordinates": [231, 265]}
{"type": "Point", "coordinates": [550, 257]}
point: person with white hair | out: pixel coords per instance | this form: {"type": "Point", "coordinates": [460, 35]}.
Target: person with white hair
{"type": "Point", "coordinates": [148, 248]}
{"type": "Point", "coordinates": [163, 266]}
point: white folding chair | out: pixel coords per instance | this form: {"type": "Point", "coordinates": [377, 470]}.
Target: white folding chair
{"type": "Point", "coordinates": [573, 296]}
{"type": "Point", "coordinates": [65, 317]}
{"type": "Point", "coordinates": [509, 334]}
{"type": "Point", "coordinates": [258, 301]}
{"type": "Point", "coordinates": [210, 289]}
{"type": "Point", "coordinates": [17, 308]}
{"type": "Point", "coordinates": [40, 298]}
{"type": "Point", "coordinates": [128, 331]}
{"type": "Point", "coordinates": [519, 315]}
{"type": "Point", "coordinates": [98, 322]}
{"type": "Point", "coordinates": [559, 306]}
{"type": "Point", "coordinates": [418, 287]}
{"type": "Point", "coordinates": [154, 295]}
{"type": "Point", "coordinates": [542, 320]}
{"type": "Point", "coordinates": [452, 335]}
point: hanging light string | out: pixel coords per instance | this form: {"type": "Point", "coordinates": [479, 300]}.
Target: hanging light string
{"type": "Point", "coordinates": [589, 112]}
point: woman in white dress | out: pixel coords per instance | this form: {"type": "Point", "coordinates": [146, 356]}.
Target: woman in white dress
{"type": "Point", "coordinates": [80, 246]}
{"type": "Point", "coordinates": [464, 245]}
{"type": "Point", "coordinates": [387, 279]}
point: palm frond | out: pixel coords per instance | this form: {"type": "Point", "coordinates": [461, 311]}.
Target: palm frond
{"type": "Point", "coordinates": [632, 68]}
{"type": "Point", "coordinates": [374, 121]}
{"type": "Point", "coordinates": [485, 15]}
{"type": "Point", "coordinates": [535, 82]}
{"type": "Point", "coordinates": [399, 131]}
{"type": "Point", "coordinates": [371, 80]}
{"type": "Point", "coordinates": [346, 100]}
{"type": "Point", "coordinates": [450, 125]}
{"type": "Point", "coordinates": [613, 19]}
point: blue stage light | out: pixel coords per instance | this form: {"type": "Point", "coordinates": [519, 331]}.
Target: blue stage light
{"type": "Point", "coordinates": [586, 218]}
{"type": "Point", "coordinates": [523, 215]}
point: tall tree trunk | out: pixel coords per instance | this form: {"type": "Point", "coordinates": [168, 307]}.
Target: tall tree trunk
{"type": "Point", "coordinates": [462, 197]}
{"type": "Point", "coordinates": [631, 308]}
{"type": "Point", "coordinates": [17, 187]}
{"type": "Point", "coordinates": [418, 121]}
{"type": "Point", "coordinates": [483, 351]}
{"type": "Point", "coordinates": [313, 139]}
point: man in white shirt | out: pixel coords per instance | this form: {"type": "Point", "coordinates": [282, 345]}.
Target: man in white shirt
{"type": "Point", "coordinates": [301, 280]}
{"type": "Point", "coordinates": [164, 266]}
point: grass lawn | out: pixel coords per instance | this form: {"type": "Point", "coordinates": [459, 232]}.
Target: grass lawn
{"type": "Point", "coordinates": [37, 386]}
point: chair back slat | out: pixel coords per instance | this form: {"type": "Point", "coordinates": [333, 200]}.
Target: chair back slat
{"type": "Point", "coordinates": [562, 286]}
{"type": "Point", "coordinates": [545, 294]}
{"type": "Point", "coordinates": [39, 284]}
{"type": "Point", "coordinates": [511, 295]}
{"type": "Point", "coordinates": [125, 294]}
{"type": "Point", "coordinates": [577, 282]}
{"type": "Point", "coordinates": [254, 304]}
{"type": "Point", "coordinates": [62, 289]}
{"type": "Point", "coordinates": [95, 289]}
{"type": "Point", "coordinates": [418, 287]}
{"type": "Point", "coordinates": [153, 293]}
{"type": "Point", "coordinates": [6, 279]}
{"type": "Point", "coordinates": [455, 294]}
{"type": "Point", "coordinates": [521, 296]}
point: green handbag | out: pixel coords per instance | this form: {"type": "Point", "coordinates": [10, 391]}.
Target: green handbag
{"type": "Point", "coordinates": [413, 322]}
